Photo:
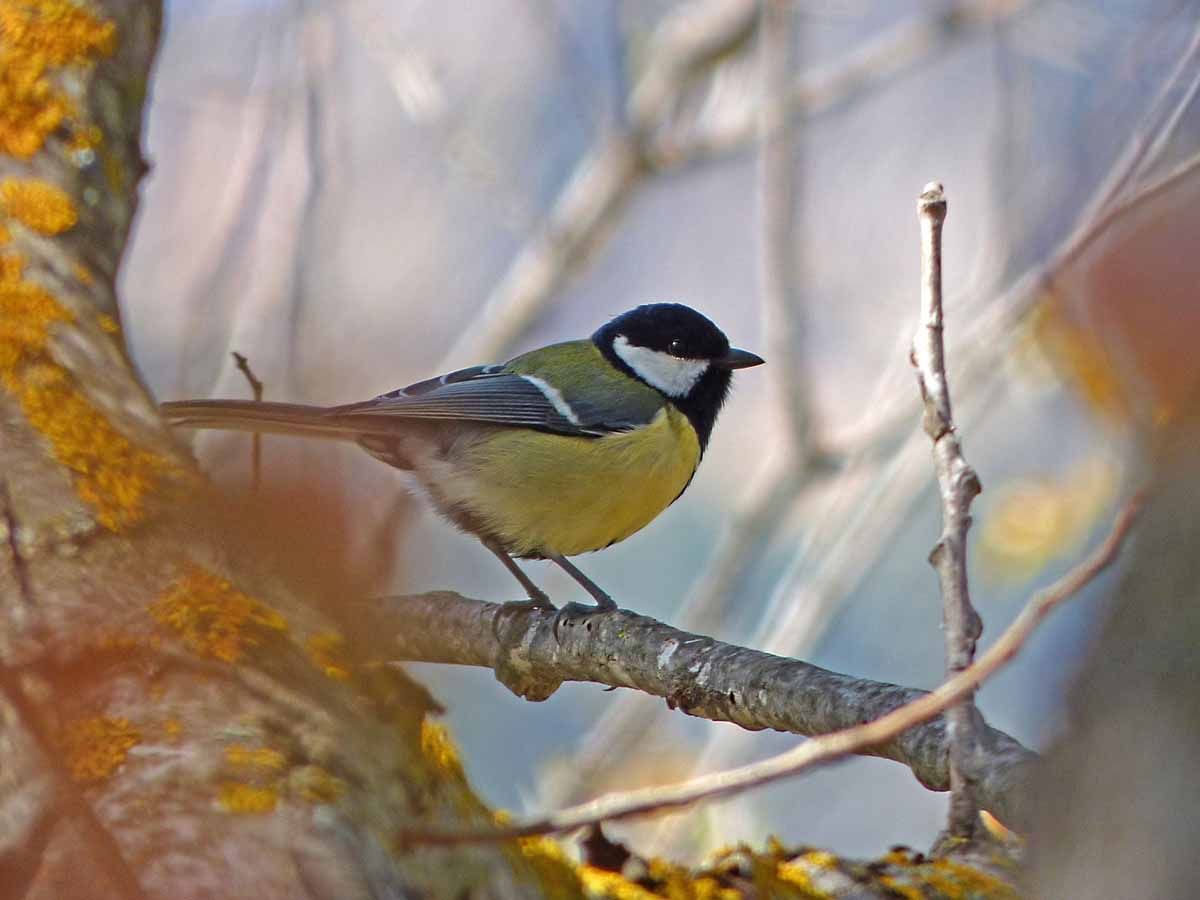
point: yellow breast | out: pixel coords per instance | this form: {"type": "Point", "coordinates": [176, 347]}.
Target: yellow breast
{"type": "Point", "coordinates": [554, 494]}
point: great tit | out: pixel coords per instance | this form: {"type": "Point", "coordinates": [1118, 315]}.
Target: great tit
{"type": "Point", "coordinates": [562, 450]}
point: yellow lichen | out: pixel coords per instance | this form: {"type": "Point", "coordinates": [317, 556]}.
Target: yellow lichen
{"type": "Point", "coordinates": [44, 207]}
{"type": "Point", "coordinates": [314, 784]}
{"type": "Point", "coordinates": [95, 748]}
{"type": "Point", "coordinates": [439, 751]}
{"type": "Point", "coordinates": [265, 758]}
{"type": "Point", "coordinates": [111, 473]}
{"type": "Point", "coordinates": [555, 872]}
{"type": "Point", "coordinates": [955, 879]}
{"type": "Point", "coordinates": [247, 799]}
{"type": "Point", "coordinates": [36, 37]}
{"type": "Point", "coordinates": [213, 617]}
{"type": "Point", "coordinates": [327, 650]}
{"type": "Point", "coordinates": [612, 886]}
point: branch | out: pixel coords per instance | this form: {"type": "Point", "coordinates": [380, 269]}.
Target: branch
{"type": "Point", "coordinates": [623, 650]}
{"type": "Point", "coordinates": [698, 675]}
{"type": "Point", "coordinates": [959, 486]}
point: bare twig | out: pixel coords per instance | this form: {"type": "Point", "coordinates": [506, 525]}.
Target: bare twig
{"type": "Point", "coordinates": [256, 386]}
{"type": "Point", "coordinates": [959, 486]}
{"type": "Point", "coordinates": [868, 737]}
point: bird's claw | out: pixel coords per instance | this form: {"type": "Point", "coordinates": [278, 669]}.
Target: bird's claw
{"type": "Point", "coordinates": [516, 608]}
{"type": "Point", "coordinates": [575, 611]}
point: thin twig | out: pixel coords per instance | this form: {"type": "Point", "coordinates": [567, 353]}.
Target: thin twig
{"type": "Point", "coordinates": [830, 747]}
{"type": "Point", "coordinates": [778, 186]}
{"type": "Point", "coordinates": [959, 486]}
{"type": "Point", "coordinates": [256, 386]}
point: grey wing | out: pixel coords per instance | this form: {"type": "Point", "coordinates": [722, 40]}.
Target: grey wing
{"type": "Point", "coordinates": [488, 394]}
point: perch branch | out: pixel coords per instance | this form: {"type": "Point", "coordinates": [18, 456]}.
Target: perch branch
{"type": "Point", "coordinates": [624, 649]}
{"type": "Point", "coordinates": [958, 487]}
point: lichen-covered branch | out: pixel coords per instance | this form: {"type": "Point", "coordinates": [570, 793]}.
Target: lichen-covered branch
{"type": "Point", "coordinates": [698, 675]}
{"type": "Point", "coordinates": [175, 719]}
{"type": "Point", "coordinates": [958, 486]}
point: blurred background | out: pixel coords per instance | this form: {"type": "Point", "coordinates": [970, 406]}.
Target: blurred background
{"type": "Point", "coordinates": [359, 194]}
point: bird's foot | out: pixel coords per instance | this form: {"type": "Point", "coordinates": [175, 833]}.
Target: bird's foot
{"type": "Point", "coordinates": [578, 614]}
{"type": "Point", "coordinates": [516, 608]}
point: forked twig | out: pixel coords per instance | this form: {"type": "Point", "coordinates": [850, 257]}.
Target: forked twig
{"type": "Point", "coordinates": [958, 485]}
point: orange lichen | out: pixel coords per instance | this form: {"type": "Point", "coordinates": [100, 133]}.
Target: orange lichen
{"type": "Point", "coordinates": [439, 751]}
{"type": "Point", "coordinates": [173, 729]}
{"type": "Point", "coordinates": [5, 234]}
{"type": "Point", "coordinates": [314, 784]}
{"type": "Point", "coordinates": [603, 883]}
{"type": "Point", "coordinates": [265, 758]}
{"type": "Point", "coordinates": [36, 37]}
{"type": "Point", "coordinates": [40, 205]}
{"type": "Point", "coordinates": [246, 799]}
{"type": "Point", "coordinates": [327, 650]}
{"type": "Point", "coordinates": [213, 617]}
{"type": "Point", "coordinates": [554, 870]}
{"type": "Point", "coordinates": [955, 879]}
{"type": "Point", "coordinates": [111, 473]}
{"type": "Point", "coordinates": [95, 748]}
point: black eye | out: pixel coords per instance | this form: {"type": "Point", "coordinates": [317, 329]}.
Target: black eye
{"type": "Point", "coordinates": [675, 348]}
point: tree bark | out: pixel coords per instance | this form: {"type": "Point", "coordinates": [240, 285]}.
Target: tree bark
{"type": "Point", "coordinates": [175, 720]}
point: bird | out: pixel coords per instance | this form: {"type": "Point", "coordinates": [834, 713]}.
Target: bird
{"type": "Point", "coordinates": [563, 450]}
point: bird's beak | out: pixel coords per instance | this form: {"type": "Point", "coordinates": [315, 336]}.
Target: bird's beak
{"type": "Point", "coordinates": [738, 359]}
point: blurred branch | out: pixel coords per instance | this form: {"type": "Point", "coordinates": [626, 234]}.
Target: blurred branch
{"type": "Point", "coordinates": [778, 177]}
{"type": "Point", "coordinates": [959, 487]}
{"type": "Point", "coordinates": [730, 127]}
{"type": "Point", "coordinates": [694, 39]}
{"type": "Point", "coordinates": [688, 40]}
{"type": "Point", "coordinates": [992, 330]}
{"type": "Point", "coordinates": [625, 649]}
{"type": "Point", "coordinates": [700, 676]}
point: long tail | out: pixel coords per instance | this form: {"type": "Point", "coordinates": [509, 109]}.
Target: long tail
{"type": "Point", "coordinates": [273, 418]}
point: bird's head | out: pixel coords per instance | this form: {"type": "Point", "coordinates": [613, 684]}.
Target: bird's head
{"type": "Point", "coordinates": [679, 353]}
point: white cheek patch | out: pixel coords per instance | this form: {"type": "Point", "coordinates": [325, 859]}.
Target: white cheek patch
{"type": "Point", "coordinates": [673, 376]}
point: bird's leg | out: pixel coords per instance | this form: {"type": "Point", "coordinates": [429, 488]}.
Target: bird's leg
{"type": "Point", "coordinates": [537, 597]}
{"type": "Point", "coordinates": [604, 603]}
